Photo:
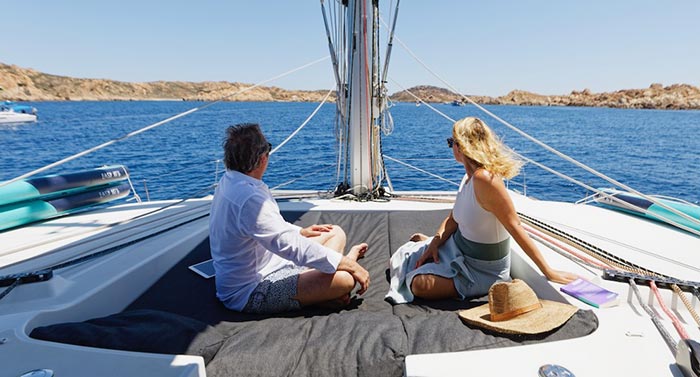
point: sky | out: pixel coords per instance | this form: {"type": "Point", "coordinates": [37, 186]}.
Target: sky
{"type": "Point", "coordinates": [477, 47]}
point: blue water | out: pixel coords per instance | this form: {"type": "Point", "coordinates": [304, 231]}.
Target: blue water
{"type": "Point", "coordinates": [653, 151]}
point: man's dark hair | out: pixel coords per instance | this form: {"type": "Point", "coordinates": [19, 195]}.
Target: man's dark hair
{"type": "Point", "coordinates": [244, 146]}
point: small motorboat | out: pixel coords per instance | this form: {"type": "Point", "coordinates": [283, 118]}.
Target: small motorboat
{"type": "Point", "coordinates": [20, 108]}
{"type": "Point", "coordinates": [11, 112]}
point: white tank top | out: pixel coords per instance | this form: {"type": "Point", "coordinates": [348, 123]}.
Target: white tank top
{"type": "Point", "coordinates": [475, 223]}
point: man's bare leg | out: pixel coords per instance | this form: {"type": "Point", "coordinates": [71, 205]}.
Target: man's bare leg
{"type": "Point", "coordinates": [335, 239]}
{"type": "Point", "coordinates": [316, 287]}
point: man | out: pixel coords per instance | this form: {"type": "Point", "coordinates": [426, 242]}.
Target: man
{"type": "Point", "coordinates": [264, 264]}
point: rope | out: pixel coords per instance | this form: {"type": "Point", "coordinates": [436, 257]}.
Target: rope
{"type": "Point", "coordinates": [608, 258]}
{"type": "Point", "coordinates": [655, 319]}
{"type": "Point", "coordinates": [154, 125]}
{"type": "Point", "coordinates": [302, 177]}
{"type": "Point", "coordinates": [568, 250]}
{"type": "Point", "coordinates": [584, 246]}
{"type": "Point", "coordinates": [561, 175]}
{"type": "Point", "coordinates": [676, 323]}
{"type": "Point", "coordinates": [422, 171]}
{"type": "Point", "coordinates": [9, 289]}
{"type": "Point", "coordinates": [133, 190]}
{"type": "Point", "coordinates": [548, 242]}
{"type": "Point", "coordinates": [423, 102]}
{"type": "Point", "coordinates": [622, 265]}
{"type": "Point", "coordinates": [304, 123]}
{"type": "Point", "coordinates": [566, 177]}
{"type": "Point", "coordinates": [687, 304]}
{"type": "Point", "coordinates": [631, 247]}
{"type": "Point", "coordinates": [550, 149]}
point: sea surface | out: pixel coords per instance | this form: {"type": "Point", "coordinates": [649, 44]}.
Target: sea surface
{"type": "Point", "coordinates": [653, 151]}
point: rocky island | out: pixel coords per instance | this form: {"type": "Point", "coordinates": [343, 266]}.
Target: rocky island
{"type": "Point", "coordinates": [24, 84]}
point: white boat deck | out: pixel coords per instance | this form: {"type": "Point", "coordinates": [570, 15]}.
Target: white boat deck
{"type": "Point", "coordinates": [626, 342]}
{"type": "Point", "coordinates": [95, 288]}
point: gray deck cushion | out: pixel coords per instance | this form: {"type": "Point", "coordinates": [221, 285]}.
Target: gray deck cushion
{"type": "Point", "coordinates": [350, 343]}
{"type": "Point", "coordinates": [369, 338]}
{"type": "Point", "coordinates": [150, 331]}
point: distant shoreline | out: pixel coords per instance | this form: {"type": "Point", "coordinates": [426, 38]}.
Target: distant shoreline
{"type": "Point", "coordinates": [23, 84]}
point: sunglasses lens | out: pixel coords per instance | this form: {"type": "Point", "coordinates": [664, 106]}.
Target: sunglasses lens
{"type": "Point", "coordinates": [450, 142]}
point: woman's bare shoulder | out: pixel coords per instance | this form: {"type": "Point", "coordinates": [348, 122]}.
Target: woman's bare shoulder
{"type": "Point", "coordinates": [483, 176]}
{"type": "Point", "coordinates": [487, 183]}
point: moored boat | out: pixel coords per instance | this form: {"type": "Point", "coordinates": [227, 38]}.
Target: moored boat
{"type": "Point", "coordinates": [19, 108]}
{"type": "Point", "coordinates": [11, 113]}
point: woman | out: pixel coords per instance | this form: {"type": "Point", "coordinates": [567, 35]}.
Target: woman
{"type": "Point", "coordinates": [472, 243]}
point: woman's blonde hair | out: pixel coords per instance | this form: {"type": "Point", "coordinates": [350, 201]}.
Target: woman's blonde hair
{"type": "Point", "coordinates": [479, 144]}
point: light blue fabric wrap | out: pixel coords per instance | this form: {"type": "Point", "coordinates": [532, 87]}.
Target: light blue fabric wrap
{"type": "Point", "coordinates": [472, 277]}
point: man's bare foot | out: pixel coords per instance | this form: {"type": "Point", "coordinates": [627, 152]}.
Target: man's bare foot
{"type": "Point", "coordinates": [418, 237]}
{"type": "Point", "coordinates": [357, 251]}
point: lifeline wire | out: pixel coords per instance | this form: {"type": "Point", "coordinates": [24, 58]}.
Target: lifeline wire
{"type": "Point", "coordinates": [422, 171]}
{"type": "Point", "coordinates": [561, 175]}
{"type": "Point", "coordinates": [554, 151]}
{"type": "Point", "coordinates": [154, 125]}
{"type": "Point", "coordinates": [625, 265]}
{"type": "Point", "coordinates": [303, 124]}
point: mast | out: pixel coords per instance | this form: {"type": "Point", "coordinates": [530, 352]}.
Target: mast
{"type": "Point", "coordinates": [361, 102]}
{"type": "Point", "coordinates": [352, 27]}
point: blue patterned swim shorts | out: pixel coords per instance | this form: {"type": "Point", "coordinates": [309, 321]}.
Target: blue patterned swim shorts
{"type": "Point", "coordinates": [275, 294]}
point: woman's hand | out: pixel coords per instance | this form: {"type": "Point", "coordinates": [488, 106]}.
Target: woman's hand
{"type": "Point", "coordinates": [561, 277]}
{"type": "Point", "coordinates": [430, 254]}
{"type": "Point", "coordinates": [315, 230]}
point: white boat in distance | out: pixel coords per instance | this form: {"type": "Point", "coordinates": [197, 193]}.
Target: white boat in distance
{"type": "Point", "coordinates": [9, 116]}
{"type": "Point", "coordinates": [11, 112]}
{"type": "Point", "coordinates": [109, 292]}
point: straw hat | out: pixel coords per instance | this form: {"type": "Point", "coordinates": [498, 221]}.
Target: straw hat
{"type": "Point", "coordinates": [514, 308]}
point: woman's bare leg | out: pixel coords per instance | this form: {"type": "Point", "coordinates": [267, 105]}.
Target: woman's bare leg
{"type": "Point", "coordinates": [418, 237]}
{"type": "Point", "coordinates": [433, 287]}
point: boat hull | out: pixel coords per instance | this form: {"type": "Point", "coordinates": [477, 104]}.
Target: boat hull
{"type": "Point", "coordinates": [10, 117]}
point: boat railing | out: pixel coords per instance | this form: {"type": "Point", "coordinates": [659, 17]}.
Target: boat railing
{"type": "Point", "coordinates": [551, 150]}
{"type": "Point", "coordinates": [218, 169]}
{"type": "Point", "coordinates": [157, 124]}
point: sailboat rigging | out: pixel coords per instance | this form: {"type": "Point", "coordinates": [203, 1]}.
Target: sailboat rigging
{"type": "Point", "coordinates": [131, 261]}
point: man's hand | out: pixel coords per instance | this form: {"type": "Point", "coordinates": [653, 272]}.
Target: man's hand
{"type": "Point", "coordinates": [315, 230]}
{"type": "Point", "coordinates": [349, 264]}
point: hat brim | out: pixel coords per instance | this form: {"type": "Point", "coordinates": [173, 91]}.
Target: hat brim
{"type": "Point", "coordinates": [550, 316]}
